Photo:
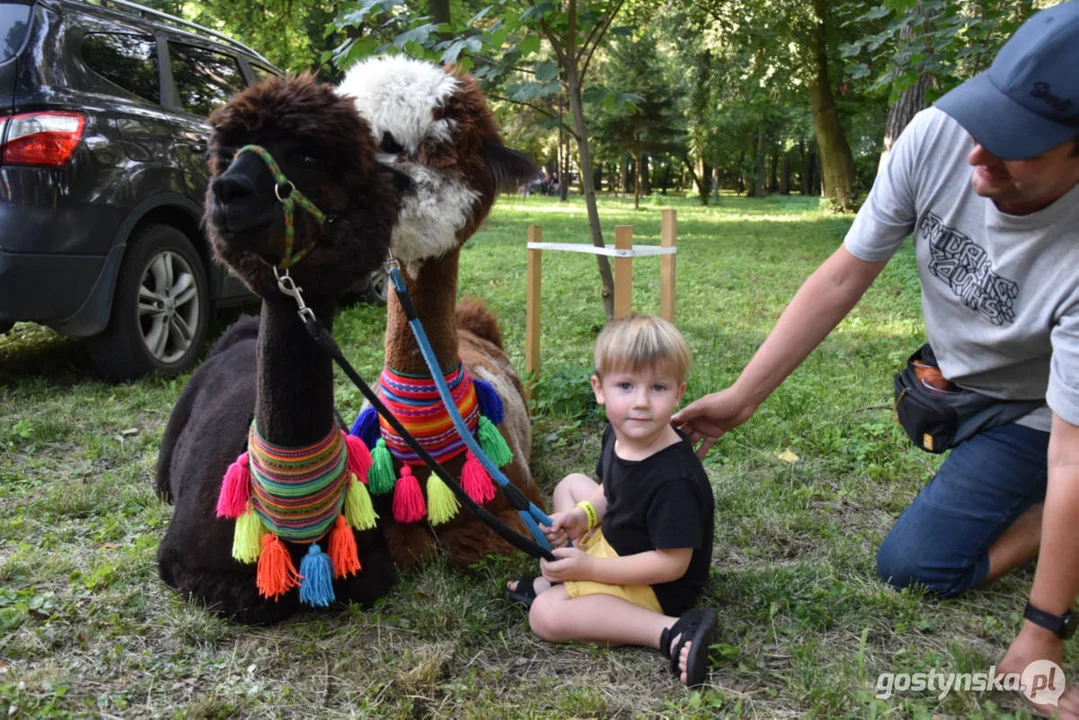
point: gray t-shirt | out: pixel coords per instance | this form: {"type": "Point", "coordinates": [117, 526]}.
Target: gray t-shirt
{"type": "Point", "coordinates": [1000, 293]}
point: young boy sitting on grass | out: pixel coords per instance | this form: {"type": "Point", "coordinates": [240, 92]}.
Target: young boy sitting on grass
{"type": "Point", "coordinates": [642, 538]}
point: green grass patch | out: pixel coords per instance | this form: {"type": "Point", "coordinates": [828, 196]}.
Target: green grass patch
{"type": "Point", "coordinates": [88, 630]}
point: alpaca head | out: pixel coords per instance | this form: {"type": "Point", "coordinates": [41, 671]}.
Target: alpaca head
{"type": "Point", "coordinates": [324, 149]}
{"type": "Point", "coordinates": [434, 125]}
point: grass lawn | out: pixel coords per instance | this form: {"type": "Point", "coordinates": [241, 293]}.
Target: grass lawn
{"type": "Point", "coordinates": [87, 629]}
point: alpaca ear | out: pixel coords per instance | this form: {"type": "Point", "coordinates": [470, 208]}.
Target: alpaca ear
{"type": "Point", "coordinates": [509, 167]}
{"type": "Point", "coordinates": [402, 182]}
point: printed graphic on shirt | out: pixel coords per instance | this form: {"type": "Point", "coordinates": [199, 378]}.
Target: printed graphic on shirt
{"type": "Point", "coordinates": [964, 266]}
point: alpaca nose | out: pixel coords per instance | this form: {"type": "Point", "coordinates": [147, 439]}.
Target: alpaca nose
{"type": "Point", "coordinates": [229, 187]}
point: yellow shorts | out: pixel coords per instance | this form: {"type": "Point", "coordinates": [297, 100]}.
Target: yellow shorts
{"type": "Point", "coordinates": [596, 545]}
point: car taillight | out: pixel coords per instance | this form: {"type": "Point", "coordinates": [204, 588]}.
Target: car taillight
{"type": "Point", "coordinates": [43, 138]}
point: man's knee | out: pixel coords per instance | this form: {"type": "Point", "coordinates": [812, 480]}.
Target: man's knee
{"type": "Point", "coordinates": [902, 566]}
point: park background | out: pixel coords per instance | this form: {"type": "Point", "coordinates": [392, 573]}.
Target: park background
{"type": "Point", "coordinates": [762, 123]}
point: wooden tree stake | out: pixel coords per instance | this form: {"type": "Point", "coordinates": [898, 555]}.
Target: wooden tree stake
{"type": "Point", "coordinates": [623, 272]}
{"type": "Point", "coordinates": [532, 314]}
{"type": "Point", "coordinates": [668, 238]}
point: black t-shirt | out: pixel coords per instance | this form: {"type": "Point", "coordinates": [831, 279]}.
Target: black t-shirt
{"type": "Point", "coordinates": [662, 502]}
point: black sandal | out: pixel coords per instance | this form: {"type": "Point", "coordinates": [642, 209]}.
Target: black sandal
{"type": "Point", "coordinates": [698, 627]}
{"type": "Point", "coordinates": [524, 593]}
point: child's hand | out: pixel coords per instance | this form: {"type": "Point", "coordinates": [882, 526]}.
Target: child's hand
{"type": "Point", "coordinates": [572, 525]}
{"type": "Point", "coordinates": [572, 564]}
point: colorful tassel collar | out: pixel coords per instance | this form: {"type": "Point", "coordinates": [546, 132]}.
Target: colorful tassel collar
{"type": "Point", "coordinates": [299, 495]}
{"type": "Point", "coordinates": [415, 402]}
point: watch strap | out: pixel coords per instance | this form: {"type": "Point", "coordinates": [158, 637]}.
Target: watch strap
{"type": "Point", "coordinates": [1062, 625]}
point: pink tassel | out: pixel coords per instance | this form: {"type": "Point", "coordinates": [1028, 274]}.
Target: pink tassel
{"type": "Point", "coordinates": [235, 490]}
{"type": "Point", "coordinates": [475, 480]}
{"type": "Point", "coordinates": [408, 505]}
{"type": "Point", "coordinates": [359, 458]}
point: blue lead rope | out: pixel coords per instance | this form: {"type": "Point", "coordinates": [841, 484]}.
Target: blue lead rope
{"type": "Point", "coordinates": [528, 511]}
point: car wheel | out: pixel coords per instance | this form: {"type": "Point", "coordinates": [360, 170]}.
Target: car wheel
{"type": "Point", "coordinates": [371, 289]}
{"type": "Point", "coordinates": [377, 288]}
{"type": "Point", "coordinates": [161, 309]}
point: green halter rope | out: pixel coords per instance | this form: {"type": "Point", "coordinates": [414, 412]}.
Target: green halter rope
{"type": "Point", "coordinates": [289, 203]}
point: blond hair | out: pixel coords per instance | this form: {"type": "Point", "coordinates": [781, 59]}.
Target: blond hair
{"type": "Point", "coordinates": [639, 342]}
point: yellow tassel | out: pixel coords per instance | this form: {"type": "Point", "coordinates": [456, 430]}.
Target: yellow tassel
{"type": "Point", "coordinates": [358, 509]}
{"type": "Point", "coordinates": [247, 538]}
{"type": "Point", "coordinates": [442, 504]}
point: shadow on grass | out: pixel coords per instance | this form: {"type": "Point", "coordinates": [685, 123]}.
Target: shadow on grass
{"type": "Point", "coordinates": [34, 352]}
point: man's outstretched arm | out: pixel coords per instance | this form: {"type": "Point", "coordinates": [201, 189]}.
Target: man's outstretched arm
{"type": "Point", "coordinates": [820, 304]}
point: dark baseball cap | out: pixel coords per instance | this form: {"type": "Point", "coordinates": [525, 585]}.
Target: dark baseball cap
{"type": "Point", "coordinates": [1027, 102]}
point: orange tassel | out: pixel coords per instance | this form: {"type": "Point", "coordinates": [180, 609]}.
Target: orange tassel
{"type": "Point", "coordinates": [408, 505]}
{"type": "Point", "coordinates": [276, 573]}
{"type": "Point", "coordinates": [343, 555]}
{"type": "Point", "coordinates": [359, 457]}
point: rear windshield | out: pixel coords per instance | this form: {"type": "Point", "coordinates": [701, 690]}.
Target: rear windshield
{"type": "Point", "coordinates": [14, 22]}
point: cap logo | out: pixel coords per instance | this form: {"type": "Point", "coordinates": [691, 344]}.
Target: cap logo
{"type": "Point", "coordinates": [1042, 92]}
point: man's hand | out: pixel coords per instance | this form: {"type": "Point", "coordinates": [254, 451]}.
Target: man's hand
{"type": "Point", "coordinates": [1036, 643]}
{"type": "Point", "coordinates": [572, 564]}
{"type": "Point", "coordinates": [707, 418]}
{"type": "Point", "coordinates": [569, 525]}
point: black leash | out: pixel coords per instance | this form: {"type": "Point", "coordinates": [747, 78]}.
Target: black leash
{"type": "Point", "coordinates": [516, 497]}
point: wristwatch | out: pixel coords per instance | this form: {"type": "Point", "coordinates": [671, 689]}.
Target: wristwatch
{"type": "Point", "coordinates": [1063, 625]}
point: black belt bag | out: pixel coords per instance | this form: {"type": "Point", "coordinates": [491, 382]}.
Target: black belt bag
{"type": "Point", "coordinates": [937, 419]}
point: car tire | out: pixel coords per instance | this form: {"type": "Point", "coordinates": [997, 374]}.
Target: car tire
{"type": "Point", "coordinates": [161, 308]}
{"type": "Point", "coordinates": [378, 287]}
{"type": "Point", "coordinates": [372, 290]}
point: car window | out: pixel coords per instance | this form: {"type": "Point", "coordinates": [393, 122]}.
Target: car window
{"type": "Point", "coordinates": [261, 73]}
{"type": "Point", "coordinates": [204, 79]}
{"type": "Point", "coordinates": [14, 20]}
{"type": "Point", "coordinates": [130, 61]}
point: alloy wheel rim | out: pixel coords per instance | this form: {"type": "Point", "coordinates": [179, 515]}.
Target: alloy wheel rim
{"type": "Point", "coordinates": [168, 307]}
{"type": "Point", "coordinates": [380, 285]}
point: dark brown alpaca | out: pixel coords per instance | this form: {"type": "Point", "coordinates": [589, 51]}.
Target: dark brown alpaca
{"type": "Point", "coordinates": [272, 371]}
{"type": "Point", "coordinates": [433, 125]}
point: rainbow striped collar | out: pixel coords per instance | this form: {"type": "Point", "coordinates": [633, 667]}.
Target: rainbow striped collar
{"type": "Point", "coordinates": [415, 402]}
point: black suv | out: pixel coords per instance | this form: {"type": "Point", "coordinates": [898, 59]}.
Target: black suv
{"type": "Point", "coordinates": [102, 176]}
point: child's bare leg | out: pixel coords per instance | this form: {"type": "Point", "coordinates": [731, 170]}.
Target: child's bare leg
{"type": "Point", "coordinates": [601, 619]}
{"type": "Point", "coordinates": [572, 489]}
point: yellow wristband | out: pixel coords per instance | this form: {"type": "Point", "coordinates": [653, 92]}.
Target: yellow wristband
{"type": "Point", "coordinates": [590, 511]}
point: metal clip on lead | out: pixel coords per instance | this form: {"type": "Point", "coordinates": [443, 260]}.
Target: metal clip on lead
{"type": "Point", "coordinates": [287, 285]}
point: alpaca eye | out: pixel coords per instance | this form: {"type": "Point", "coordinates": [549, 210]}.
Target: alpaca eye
{"type": "Point", "coordinates": [389, 145]}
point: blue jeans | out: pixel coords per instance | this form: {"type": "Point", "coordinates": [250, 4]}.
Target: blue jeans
{"type": "Point", "coordinates": [941, 541]}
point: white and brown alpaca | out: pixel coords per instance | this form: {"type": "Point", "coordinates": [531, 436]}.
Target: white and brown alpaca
{"type": "Point", "coordinates": [271, 372]}
{"type": "Point", "coordinates": [433, 124]}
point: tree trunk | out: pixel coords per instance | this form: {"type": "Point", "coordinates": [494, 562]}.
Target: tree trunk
{"type": "Point", "coordinates": [440, 14]}
{"type": "Point", "coordinates": [563, 172]}
{"type": "Point", "coordinates": [637, 181]}
{"type": "Point", "coordinates": [902, 111]}
{"type": "Point", "coordinates": [773, 173]}
{"type": "Point", "coordinates": [785, 175]}
{"type": "Point", "coordinates": [577, 109]}
{"type": "Point", "coordinates": [702, 178]}
{"type": "Point", "coordinates": [758, 164]}
{"type": "Point", "coordinates": [837, 163]}
{"type": "Point", "coordinates": [646, 174]}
